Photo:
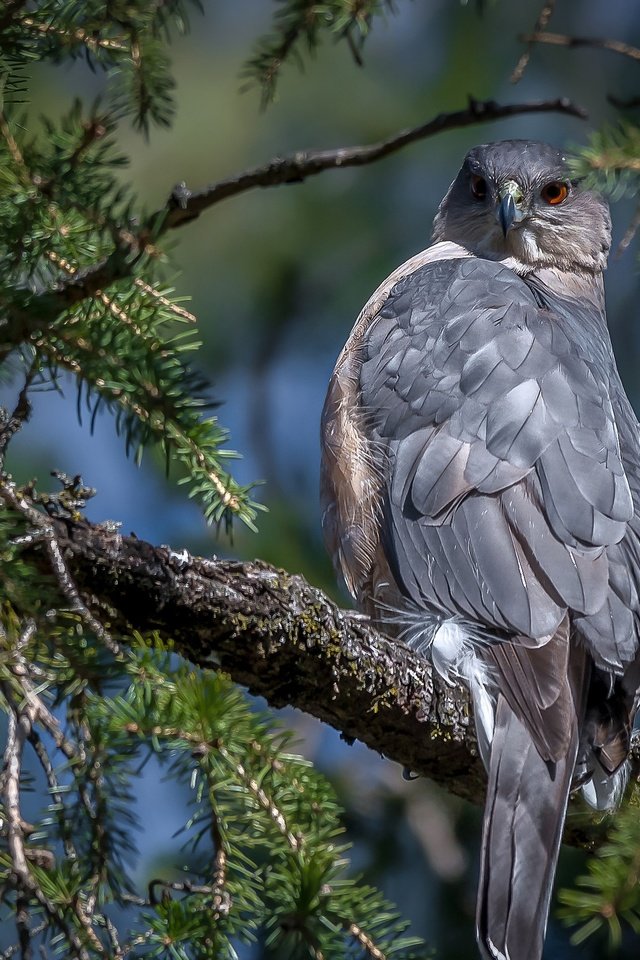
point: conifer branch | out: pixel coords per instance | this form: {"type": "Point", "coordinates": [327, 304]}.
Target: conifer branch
{"type": "Point", "coordinates": [76, 35]}
{"type": "Point", "coordinates": [20, 723]}
{"type": "Point", "coordinates": [11, 10]}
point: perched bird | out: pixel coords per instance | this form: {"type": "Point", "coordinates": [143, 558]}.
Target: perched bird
{"type": "Point", "coordinates": [481, 499]}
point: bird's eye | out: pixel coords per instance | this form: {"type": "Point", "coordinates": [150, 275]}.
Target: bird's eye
{"type": "Point", "coordinates": [478, 187]}
{"type": "Point", "coordinates": [555, 192]}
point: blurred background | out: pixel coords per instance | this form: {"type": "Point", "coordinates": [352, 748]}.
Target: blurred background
{"type": "Point", "coordinates": [276, 278]}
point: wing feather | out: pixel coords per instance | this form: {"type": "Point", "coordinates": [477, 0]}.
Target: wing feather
{"type": "Point", "coordinates": [505, 473]}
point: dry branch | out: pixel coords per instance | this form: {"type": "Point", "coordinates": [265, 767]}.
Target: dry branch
{"type": "Point", "coordinates": [27, 312]}
{"type": "Point", "coordinates": [185, 205]}
{"type": "Point", "coordinates": [564, 40]}
{"type": "Point", "coordinates": [541, 22]}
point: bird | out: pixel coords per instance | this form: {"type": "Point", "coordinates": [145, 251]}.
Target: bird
{"type": "Point", "coordinates": [480, 490]}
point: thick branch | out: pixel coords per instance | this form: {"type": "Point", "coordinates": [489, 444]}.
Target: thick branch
{"type": "Point", "coordinates": [184, 205]}
{"type": "Point", "coordinates": [289, 643]}
{"type": "Point", "coordinates": [285, 641]}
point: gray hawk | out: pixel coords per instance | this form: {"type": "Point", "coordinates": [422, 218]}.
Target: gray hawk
{"type": "Point", "coordinates": [481, 499]}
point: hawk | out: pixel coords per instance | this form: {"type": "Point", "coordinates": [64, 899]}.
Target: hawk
{"type": "Point", "coordinates": [481, 499]}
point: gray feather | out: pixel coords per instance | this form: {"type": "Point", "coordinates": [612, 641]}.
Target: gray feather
{"type": "Point", "coordinates": [524, 816]}
{"type": "Point", "coordinates": [504, 502]}
{"type": "Point", "coordinates": [455, 431]}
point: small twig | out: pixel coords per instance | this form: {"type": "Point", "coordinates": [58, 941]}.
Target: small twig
{"type": "Point", "coordinates": [174, 307]}
{"type": "Point", "coordinates": [68, 587]}
{"type": "Point", "coordinates": [366, 942]}
{"type": "Point", "coordinates": [22, 927]}
{"type": "Point", "coordinates": [263, 799]}
{"type": "Point", "coordinates": [629, 234]}
{"type": "Point", "coordinates": [54, 788]}
{"type": "Point", "coordinates": [18, 730]}
{"type": "Point", "coordinates": [33, 708]}
{"type": "Point", "coordinates": [14, 149]}
{"type": "Point", "coordinates": [14, 947]}
{"type": "Point", "coordinates": [134, 899]}
{"type": "Point", "coordinates": [93, 130]}
{"type": "Point", "coordinates": [117, 311]}
{"type": "Point", "coordinates": [65, 581]}
{"type": "Point", "coordinates": [564, 40]}
{"type": "Point", "coordinates": [180, 886]}
{"type": "Point", "coordinates": [12, 766]}
{"type": "Point", "coordinates": [77, 36]}
{"type": "Point", "coordinates": [20, 414]}
{"type": "Point", "coordinates": [277, 56]}
{"type": "Point", "coordinates": [138, 941]}
{"type": "Point", "coordinates": [221, 899]}
{"type": "Point", "coordinates": [86, 282]}
{"type": "Point", "coordinates": [543, 19]}
{"type": "Point", "coordinates": [112, 933]}
{"type": "Point", "coordinates": [623, 104]}
{"type": "Point", "coordinates": [41, 713]}
{"type": "Point", "coordinates": [185, 205]}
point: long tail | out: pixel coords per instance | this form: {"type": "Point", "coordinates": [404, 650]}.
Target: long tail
{"type": "Point", "coordinates": [523, 821]}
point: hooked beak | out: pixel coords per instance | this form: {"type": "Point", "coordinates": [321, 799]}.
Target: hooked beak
{"type": "Point", "coordinates": [508, 211]}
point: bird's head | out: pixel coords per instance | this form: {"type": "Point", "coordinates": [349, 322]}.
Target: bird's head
{"type": "Point", "coordinates": [516, 199]}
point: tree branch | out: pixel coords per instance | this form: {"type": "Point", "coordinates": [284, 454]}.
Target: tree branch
{"type": "Point", "coordinates": [285, 641]}
{"type": "Point", "coordinates": [184, 205]}
{"type": "Point", "coordinates": [27, 312]}
{"type": "Point", "coordinates": [563, 40]}
{"type": "Point", "coordinates": [541, 22]}
{"type": "Point", "coordinates": [289, 643]}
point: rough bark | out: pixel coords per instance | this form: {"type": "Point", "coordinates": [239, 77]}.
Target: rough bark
{"type": "Point", "coordinates": [285, 641]}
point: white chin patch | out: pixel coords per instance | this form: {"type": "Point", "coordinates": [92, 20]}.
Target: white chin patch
{"type": "Point", "coordinates": [524, 246]}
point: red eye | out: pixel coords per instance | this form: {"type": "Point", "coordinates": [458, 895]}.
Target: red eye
{"type": "Point", "coordinates": [555, 192]}
{"type": "Point", "coordinates": [478, 187]}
